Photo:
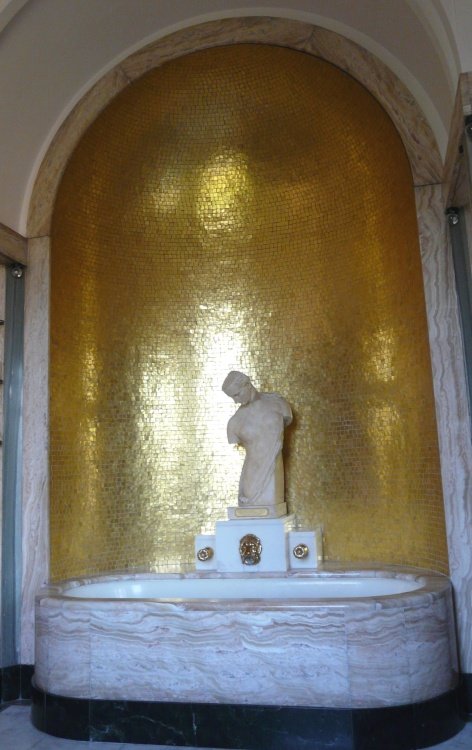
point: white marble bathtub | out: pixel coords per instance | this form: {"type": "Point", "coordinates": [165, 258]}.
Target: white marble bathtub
{"type": "Point", "coordinates": [352, 638]}
{"type": "Point", "coordinates": [275, 587]}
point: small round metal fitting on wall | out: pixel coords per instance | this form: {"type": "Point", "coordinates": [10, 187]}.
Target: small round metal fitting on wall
{"type": "Point", "coordinates": [300, 551]}
{"type": "Point", "coordinates": [205, 554]}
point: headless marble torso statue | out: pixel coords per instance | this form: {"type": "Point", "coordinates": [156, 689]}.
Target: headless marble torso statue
{"type": "Point", "coordinates": [258, 426]}
{"type": "Point", "coordinates": [259, 534]}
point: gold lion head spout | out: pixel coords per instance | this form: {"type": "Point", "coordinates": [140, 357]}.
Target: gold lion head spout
{"type": "Point", "coordinates": [250, 549]}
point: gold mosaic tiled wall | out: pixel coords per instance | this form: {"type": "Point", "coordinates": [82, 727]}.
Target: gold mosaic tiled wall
{"type": "Point", "coordinates": [246, 207]}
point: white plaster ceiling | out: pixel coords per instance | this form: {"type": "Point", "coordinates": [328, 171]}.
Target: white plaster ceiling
{"type": "Point", "coordinates": [52, 51]}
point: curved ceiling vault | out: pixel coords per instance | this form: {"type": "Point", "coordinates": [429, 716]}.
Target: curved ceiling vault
{"type": "Point", "coordinates": [53, 51]}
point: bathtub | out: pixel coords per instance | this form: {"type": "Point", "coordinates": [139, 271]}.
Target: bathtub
{"type": "Point", "coordinates": [307, 588]}
{"type": "Point", "coordinates": [332, 638]}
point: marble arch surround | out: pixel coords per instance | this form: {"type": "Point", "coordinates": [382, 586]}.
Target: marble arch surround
{"type": "Point", "coordinates": [443, 324]}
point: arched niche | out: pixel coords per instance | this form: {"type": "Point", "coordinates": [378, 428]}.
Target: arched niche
{"type": "Point", "coordinates": [215, 216]}
{"type": "Point", "coordinates": [448, 374]}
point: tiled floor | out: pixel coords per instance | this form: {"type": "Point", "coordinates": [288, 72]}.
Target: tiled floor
{"type": "Point", "coordinates": [17, 733]}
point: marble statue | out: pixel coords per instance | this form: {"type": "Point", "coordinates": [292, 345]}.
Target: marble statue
{"type": "Point", "coordinates": [258, 425]}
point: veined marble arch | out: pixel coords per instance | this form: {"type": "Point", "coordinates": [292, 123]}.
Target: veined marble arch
{"type": "Point", "coordinates": [426, 172]}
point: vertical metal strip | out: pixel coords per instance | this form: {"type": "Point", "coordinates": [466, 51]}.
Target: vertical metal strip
{"type": "Point", "coordinates": [12, 444]}
{"type": "Point", "coordinates": [458, 234]}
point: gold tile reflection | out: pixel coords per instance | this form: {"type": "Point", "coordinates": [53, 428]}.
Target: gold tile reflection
{"type": "Point", "coordinates": [220, 215]}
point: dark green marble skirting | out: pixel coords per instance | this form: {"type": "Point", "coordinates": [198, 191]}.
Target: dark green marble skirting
{"type": "Point", "coordinates": [467, 693]}
{"type": "Point", "coordinates": [408, 727]}
{"type": "Point", "coordinates": [15, 683]}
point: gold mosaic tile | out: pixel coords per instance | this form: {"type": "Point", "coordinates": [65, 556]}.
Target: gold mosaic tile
{"type": "Point", "coordinates": [246, 207]}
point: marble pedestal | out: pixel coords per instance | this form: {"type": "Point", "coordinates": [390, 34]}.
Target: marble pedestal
{"type": "Point", "coordinates": [258, 511]}
{"type": "Point", "coordinates": [279, 540]}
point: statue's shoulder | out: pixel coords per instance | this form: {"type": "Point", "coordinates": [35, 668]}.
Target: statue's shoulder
{"type": "Point", "coordinates": [279, 404]}
{"type": "Point", "coordinates": [278, 401]}
{"type": "Point", "coordinates": [272, 397]}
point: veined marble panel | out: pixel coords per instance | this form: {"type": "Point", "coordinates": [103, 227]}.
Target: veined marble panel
{"type": "Point", "coordinates": [264, 30]}
{"type": "Point", "coordinates": [377, 639]}
{"type": "Point", "coordinates": [332, 653]}
{"type": "Point", "coordinates": [222, 657]}
{"type": "Point", "coordinates": [70, 659]}
{"type": "Point", "coordinates": [452, 411]}
{"type": "Point", "coordinates": [42, 646]}
{"type": "Point", "coordinates": [35, 527]}
{"type": "Point", "coordinates": [428, 648]}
